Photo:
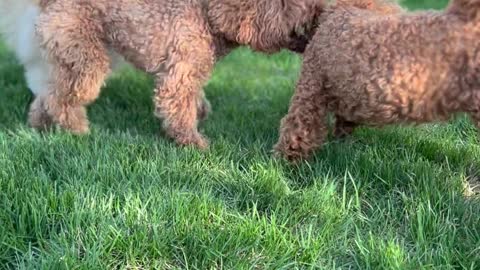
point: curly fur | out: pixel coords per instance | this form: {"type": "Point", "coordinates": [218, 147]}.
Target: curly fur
{"type": "Point", "coordinates": [378, 6]}
{"type": "Point", "coordinates": [177, 41]}
{"type": "Point", "coordinates": [376, 69]}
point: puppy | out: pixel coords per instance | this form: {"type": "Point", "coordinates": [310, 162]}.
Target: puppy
{"type": "Point", "coordinates": [176, 41]}
{"type": "Point", "coordinates": [376, 69]}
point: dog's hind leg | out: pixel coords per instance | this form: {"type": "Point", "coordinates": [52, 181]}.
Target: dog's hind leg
{"type": "Point", "coordinates": [37, 74]}
{"type": "Point", "coordinates": [80, 64]}
{"type": "Point", "coordinates": [38, 116]}
{"type": "Point", "coordinates": [179, 98]}
{"type": "Point", "coordinates": [305, 127]}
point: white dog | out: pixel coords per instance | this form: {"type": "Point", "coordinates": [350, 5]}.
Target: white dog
{"type": "Point", "coordinates": [17, 29]}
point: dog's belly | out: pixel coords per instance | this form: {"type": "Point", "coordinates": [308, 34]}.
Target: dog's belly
{"type": "Point", "coordinates": [380, 110]}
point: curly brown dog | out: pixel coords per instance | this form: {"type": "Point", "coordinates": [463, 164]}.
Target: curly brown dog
{"type": "Point", "coordinates": [376, 69]}
{"type": "Point", "coordinates": [177, 41]}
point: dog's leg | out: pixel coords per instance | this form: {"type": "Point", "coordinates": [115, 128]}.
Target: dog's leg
{"type": "Point", "coordinates": [38, 116]}
{"type": "Point", "coordinates": [343, 128]}
{"type": "Point", "coordinates": [180, 105]}
{"type": "Point", "coordinates": [73, 89]}
{"type": "Point", "coordinates": [179, 98]}
{"type": "Point", "coordinates": [305, 127]}
{"type": "Point", "coordinates": [80, 64]}
{"type": "Point", "coordinates": [37, 74]}
{"type": "Point", "coordinates": [203, 107]}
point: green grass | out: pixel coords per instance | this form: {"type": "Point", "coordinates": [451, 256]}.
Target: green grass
{"type": "Point", "coordinates": [126, 198]}
{"type": "Point", "coordinates": [422, 4]}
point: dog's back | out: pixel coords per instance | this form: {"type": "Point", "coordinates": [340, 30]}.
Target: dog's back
{"type": "Point", "coordinates": [378, 6]}
{"type": "Point", "coordinates": [397, 67]}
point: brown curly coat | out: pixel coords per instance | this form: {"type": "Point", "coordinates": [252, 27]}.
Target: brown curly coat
{"type": "Point", "coordinates": [375, 69]}
{"type": "Point", "coordinates": [177, 41]}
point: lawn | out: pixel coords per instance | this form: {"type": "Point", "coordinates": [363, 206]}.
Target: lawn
{"type": "Point", "coordinates": [124, 197]}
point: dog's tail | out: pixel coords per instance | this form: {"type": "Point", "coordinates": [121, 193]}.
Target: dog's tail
{"type": "Point", "coordinates": [468, 9]}
{"type": "Point", "coordinates": [378, 6]}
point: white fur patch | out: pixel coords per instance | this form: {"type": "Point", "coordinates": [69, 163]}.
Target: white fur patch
{"type": "Point", "coordinates": [17, 27]}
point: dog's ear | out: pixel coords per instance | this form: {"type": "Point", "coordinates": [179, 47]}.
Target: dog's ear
{"type": "Point", "coordinates": [467, 9]}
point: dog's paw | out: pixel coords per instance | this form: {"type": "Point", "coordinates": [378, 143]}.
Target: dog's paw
{"type": "Point", "coordinates": [194, 139]}
{"type": "Point", "coordinates": [79, 128]}
{"type": "Point", "coordinates": [74, 120]}
{"type": "Point", "coordinates": [202, 143]}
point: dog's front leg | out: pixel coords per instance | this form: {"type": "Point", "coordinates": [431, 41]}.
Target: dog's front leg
{"type": "Point", "coordinates": [179, 99]}
{"type": "Point", "coordinates": [305, 127]}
